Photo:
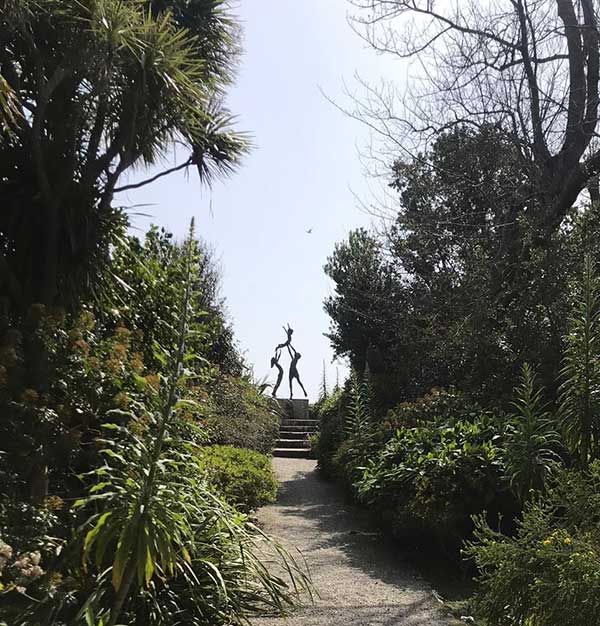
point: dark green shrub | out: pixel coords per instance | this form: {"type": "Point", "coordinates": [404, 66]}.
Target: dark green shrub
{"type": "Point", "coordinates": [437, 406]}
{"type": "Point", "coordinates": [431, 479]}
{"type": "Point", "coordinates": [243, 478]}
{"type": "Point", "coordinates": [549, 572]}
{"type": "Point", "coordinates": [238, 415]}
{"type": "Point", "coordinates": [425, 468]}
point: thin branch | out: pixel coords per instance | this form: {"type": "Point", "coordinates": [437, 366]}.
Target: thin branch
{"type": "Point", "coordinates": [142, 183]}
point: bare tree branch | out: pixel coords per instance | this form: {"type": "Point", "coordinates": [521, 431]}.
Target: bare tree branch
{"type": "Point", "coordinates": [530, 67]}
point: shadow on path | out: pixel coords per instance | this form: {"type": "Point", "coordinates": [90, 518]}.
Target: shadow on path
{"type": "Point", "coordinates": [362, 579]}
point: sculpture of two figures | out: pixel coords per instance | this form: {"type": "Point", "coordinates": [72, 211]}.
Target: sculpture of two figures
{"type": "Point", "coordinates": [295, 357]}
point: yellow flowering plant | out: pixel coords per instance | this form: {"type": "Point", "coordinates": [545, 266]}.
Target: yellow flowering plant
{"type": "Point", "coordinates": [549, 572]}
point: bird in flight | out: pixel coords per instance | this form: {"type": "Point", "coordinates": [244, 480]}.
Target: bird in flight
{"type": "Point", "coordinates": [309, 231]}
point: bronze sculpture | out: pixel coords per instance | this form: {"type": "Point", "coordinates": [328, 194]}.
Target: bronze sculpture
{"type": "Point", "coordinates": [295, 357]}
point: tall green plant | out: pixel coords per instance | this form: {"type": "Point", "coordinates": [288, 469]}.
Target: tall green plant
{"type": "Point", "coordinates": [358, 421]}
{"type": "Point", "coordinates": [580, 374]}
{"type": "Point", "coordinates": [532, 440]}
{"type": "Point", "coordinates": [152, 537]}
{"type": "Point", "coordinates": [323, 390]}
{"type": "Point", "coordinates": [358, 426]}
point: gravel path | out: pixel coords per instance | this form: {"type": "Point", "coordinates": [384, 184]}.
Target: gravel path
{"type": "Point", "coordinates": [362, 580]}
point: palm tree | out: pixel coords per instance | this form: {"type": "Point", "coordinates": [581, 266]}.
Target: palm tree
{"type": "Point", "coordinates": [92, 89]}
{"type": "Point", "coordinates": [101, 86]}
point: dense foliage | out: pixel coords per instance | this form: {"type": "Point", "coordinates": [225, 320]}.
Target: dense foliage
{"type": "Point", "coordinates": [130, 484]}
{"type": "Point", "coordinates": [425, 467]}
{"type": "Point", "coordinates": [117, 362]}
{"type": "Point", "coordinates": [438, 300]}
{"type": "Point", "coordinates": [325, 442]}
{"type": "Point", "coordinates": [475, 342]}
{"type": "Point", "coordinates": [237, 414]}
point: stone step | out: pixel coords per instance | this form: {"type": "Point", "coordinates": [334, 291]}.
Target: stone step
{"type": "Point", "coordinates": [308, 424]}
{"type": "Point", "coordinates": [296, 429]}
{"type": "Point", "coordinates": [292, 443]}
{"type": "Point", "coordinates": [286, 433]}
{"type": "Point", "coordinates": [293, 453]}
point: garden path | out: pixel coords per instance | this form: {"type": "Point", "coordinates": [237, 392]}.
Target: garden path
{"type": "Point", "coordinates": [362, 580]}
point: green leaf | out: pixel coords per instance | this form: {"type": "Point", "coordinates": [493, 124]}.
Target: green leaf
{"type": "Point", "coordinates": [92, 535]}
{"type": "Point", "coordinates": [123, 554]}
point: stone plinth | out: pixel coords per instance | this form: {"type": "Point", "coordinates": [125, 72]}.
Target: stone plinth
{"type": "Point", "coordinates": [294, 409]}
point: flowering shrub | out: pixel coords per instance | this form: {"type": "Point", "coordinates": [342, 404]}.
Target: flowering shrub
{"type": "Point", "coordinates": [29, 549]}
{"type": "Point", "coordinates": [22, 570]}
{"type": "Point", "coordinates": [549, 572]}
{"type": "Point", "coordinates": [60, 375]}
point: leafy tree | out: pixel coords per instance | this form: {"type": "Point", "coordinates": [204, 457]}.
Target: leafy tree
{"type": "Point", "coordinates": [364, 309]}
{"type": "Point", "coordinates": [435, 301]}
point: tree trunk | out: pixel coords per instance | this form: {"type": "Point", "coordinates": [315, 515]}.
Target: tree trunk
{"type": "Point", "coordinates": [47, 291]}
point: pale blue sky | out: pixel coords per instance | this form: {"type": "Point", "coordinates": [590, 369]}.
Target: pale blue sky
{"type": "Point", "coordinates": [301, 174]}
